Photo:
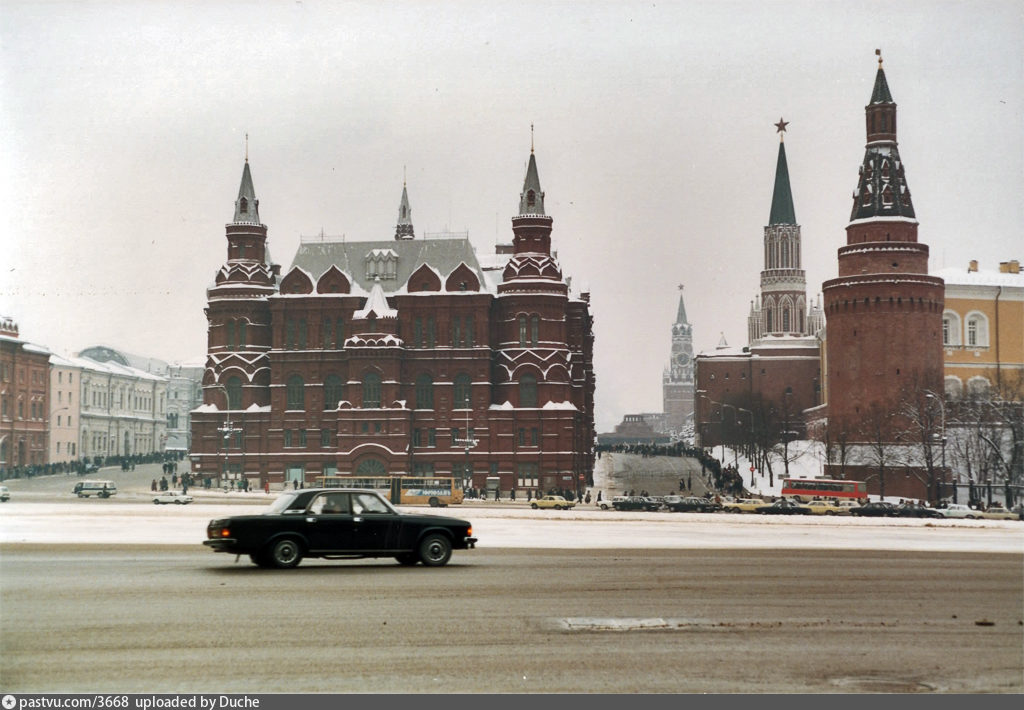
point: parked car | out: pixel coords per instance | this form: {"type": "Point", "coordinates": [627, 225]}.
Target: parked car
{"type": "Point", "coordinates": [338, 523]}
{"type": "Point", "coordinates": [90, 468]}
{"type": "Point", "coordinates": [783, 507]}
{"type": "Point", "coordinates": [691, 504]}
{"type": "Point", "coordinates": [875, 509]}
{"type": "Point", "coordinates": [959, 510]}
{"type": "Point", "coordinates": [998, 512]}
{"type": "Point", "coordinates": [100, 489]}
{"type": "Point", "coordinates": [742, 505]}
{"type": "Point", "coordinates": [829, 507]}
{"type": "Point", "coordinates": [5, 494]}
{"type": "Point", "coordinates": [635, 503]}
{"type": "Point", "coordinates": [556, 502]}
{"type": "Point", "coordinates": [917, 511]}
{"type": "Point", "coordinates": [172, 497]}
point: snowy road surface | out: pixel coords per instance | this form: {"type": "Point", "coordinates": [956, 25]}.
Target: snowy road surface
{"type": "Point", "coordinates": [101, 521]}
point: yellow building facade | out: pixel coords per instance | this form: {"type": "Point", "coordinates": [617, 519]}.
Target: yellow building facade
{"type": "Point", "coordinates": [983, 331]}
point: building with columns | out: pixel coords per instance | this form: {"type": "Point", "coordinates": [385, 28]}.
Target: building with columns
{"type": "Point", "coordinates": [407, 355]}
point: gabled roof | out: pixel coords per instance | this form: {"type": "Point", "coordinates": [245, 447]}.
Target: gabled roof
{"type": "Point", "coordinates": [444, 255]}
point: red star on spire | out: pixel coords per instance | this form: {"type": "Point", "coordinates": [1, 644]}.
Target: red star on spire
{"type": "Point", "coordinates": [781, 126]}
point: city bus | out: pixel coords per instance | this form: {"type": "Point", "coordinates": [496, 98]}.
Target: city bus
{"type": "Point", "coordinates": [804, 489]}
{"type": "Point", "coordinates": [435, 491]}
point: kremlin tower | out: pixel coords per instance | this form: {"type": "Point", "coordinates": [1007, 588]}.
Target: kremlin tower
{"type": "Point", "coordinates": [883, 312]}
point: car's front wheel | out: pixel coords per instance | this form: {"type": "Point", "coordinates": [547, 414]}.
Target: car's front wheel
{"type": "Point", "coordinates": [435, 550]}
{"type": "Point", "coordinates": [285, 554]}
{"type": "Point", "coordinates": [534, 506]}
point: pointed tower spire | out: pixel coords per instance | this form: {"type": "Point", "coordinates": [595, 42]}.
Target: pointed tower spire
{"type": "Point", "coordinates": [404, 230]}
{"type": "Point", "coordinates": [531, 201]}
{"type": "Point", "coordinates": [782, 197]}
{"type": "Point", "coordinates": [246, 206]}
{"type": "Point", "coordinates": [681, 311]}
{"type": "Point", "coordinates": [882, 187]}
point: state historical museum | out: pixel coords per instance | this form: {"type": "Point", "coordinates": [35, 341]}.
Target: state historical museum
{"type": "Point", "coordinates": [406, 356]}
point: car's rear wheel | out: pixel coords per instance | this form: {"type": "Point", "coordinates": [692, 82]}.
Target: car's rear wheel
{"type": "Point", "coordinates": [830, 512]}
{"type": "Point", "coordinates": [285, 554]}
{"type": "Point", "coordinates": [407, 558]}
{"type": "Point", "coordinates": [435, 550]}
{"type": "Point", "coordinates": [434, 502]}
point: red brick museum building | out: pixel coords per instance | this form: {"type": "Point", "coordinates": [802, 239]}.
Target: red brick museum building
{"type": "Point", "coordinates": [387, 357]}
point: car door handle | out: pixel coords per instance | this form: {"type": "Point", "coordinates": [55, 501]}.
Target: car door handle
{"type": "Point", "coordinates": [311, 519]}
{"type": "Point", "coordinates": [357, 519]}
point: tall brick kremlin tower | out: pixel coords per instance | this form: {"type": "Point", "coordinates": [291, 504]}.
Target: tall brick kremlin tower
{"type": "Point", "coordinates": [677, 380]}
{"type": "Point", "coordinates": [884, 312]}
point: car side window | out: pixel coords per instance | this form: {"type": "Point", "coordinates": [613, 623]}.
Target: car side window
{"type": "Point", "coordinates": [365, 503]}
{"type": "Point", "coordinates": [330, 504]}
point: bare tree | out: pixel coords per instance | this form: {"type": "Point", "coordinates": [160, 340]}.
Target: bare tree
{"type": "Point", "coordinates": [924, 414]}
{"type": "Point", "coordinates": [881, 435]}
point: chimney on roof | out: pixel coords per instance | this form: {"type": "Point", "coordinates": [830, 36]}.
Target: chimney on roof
{"type": "Point", "coordinates": [973, 266]}
{"type": "Point", "coordinates": [1009, 267]}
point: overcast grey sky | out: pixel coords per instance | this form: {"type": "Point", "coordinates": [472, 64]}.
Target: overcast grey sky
{"type": "Point", "coordinates": [122, 139]}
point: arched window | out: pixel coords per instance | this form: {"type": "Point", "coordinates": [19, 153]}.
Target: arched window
{"type": "Point", "coordinates": [527, 391]}
{"type": "Point", "coordinates": [978, 388]}
{"type": "Point", "coordinates": [424, 392]}
{"type": "Point", "coordinates": [296, 393]}
{"type": "Point", "coordinates": [950, 329]}
{"type": "Point", "coordinates": [334, 391]}
{"type": "Point", "coordinates": [234, 389]}
{"type": "Point", "coordinates": [785, 319]}
{"type": "Point", "coordinates": [977, 330]}
{"type": "Point", "coordinates": [462, 391]}
{"type": "Point", "coordinates": [231, 334]}
{"type": "Point", "coordinates": [371, 390]}
{"type": "Point", "coordinates": [371, 467]}
{"type": "Point", "coordinates": [534, 329]}
{"type": "Point", "coordinates": [954, 388]}
{"type": "Point", "coordinates": [522, 331]}
{"type": "Point", "coordinates": [243, 206]}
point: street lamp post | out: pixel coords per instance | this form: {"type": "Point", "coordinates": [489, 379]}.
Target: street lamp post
{"type": "Point", "coordinates": [228, 429]}
{"type": "Point", "coordinates": [468, 442]}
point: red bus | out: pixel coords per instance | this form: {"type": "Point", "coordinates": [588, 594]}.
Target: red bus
{"type": "Point", "coordinates": [804, 489]}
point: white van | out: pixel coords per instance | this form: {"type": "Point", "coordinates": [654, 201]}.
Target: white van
{"type": "Point", "coordinates": [100, 489]}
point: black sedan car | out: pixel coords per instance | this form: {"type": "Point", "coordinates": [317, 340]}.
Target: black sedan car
{"type": "Point", "coordinates": [691, 504]}
{"type": "Point", "coordinates": [783, 507]}
{"type": "Point", "coordinates": [917, 511]}
{"type": "Point", "coordinates": [636, 503]}
{"type": "Point", "coordinates": [338, 523]}
{"type": "Point", "coordinates": [876, 509]}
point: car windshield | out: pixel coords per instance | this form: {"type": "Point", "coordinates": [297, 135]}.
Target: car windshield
{"type": "Point", "coordinates": [282, 503]}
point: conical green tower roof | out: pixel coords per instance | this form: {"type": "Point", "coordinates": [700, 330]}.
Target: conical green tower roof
{"type": "Point", "coordinates": [782, 197]}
